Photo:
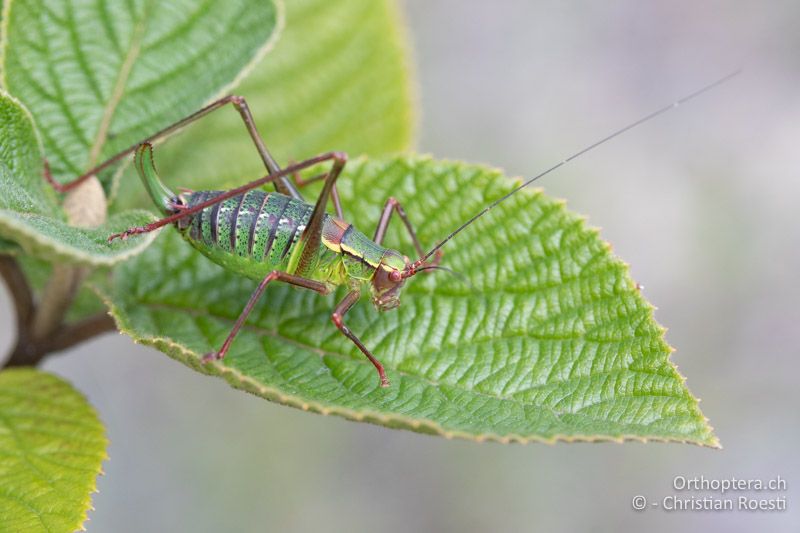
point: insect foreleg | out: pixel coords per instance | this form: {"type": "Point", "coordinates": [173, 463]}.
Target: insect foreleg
{"type": "Point", "coordinates": [338, 318]}
{"type": "Point", "coordinates": [311, 241]}
{"type": "Point", "coordinates": [272, 276]}
{"type": "Point", "coordinates": [283, 185]}
{"type": "Point", "coordinates": [389, 208]}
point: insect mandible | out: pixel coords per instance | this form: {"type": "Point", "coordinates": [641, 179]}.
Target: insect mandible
{"type": "Point", "coordinates": [277, 236]}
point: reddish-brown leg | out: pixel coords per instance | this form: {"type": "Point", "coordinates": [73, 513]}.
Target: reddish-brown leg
{"type": "Point", "coordinates": [283, 185]}
{"type": "Point", "coordinates": [272, 276]}
{"type": "Point", "coordinates": [300, 182]}
{"type": "Point", "coordinates": [311, 239]}
{"type": "Point", "coordinates": [338, 319]}
{"type": "Point", "coordinates": [393, 206]}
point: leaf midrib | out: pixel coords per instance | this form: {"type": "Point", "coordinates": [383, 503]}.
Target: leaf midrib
{"type": "Point", "coordinates": [134, 48]}
{"type": "Point", "coordinates": [24, 456]}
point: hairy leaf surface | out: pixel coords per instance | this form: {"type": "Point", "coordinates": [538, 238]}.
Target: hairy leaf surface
{"type": "Point", "coordinates": [551, 340]}
{"type": "Point", "coordinates": [100, 76]}
{"type": "Point", "coordinates": [52, 447]}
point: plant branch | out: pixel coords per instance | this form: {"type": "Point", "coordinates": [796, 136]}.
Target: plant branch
{"type": "Point", "coordinates": [29, 352]}
{"type": "Point", "coordinates": [20, 291]}
{"type": "Point", "coordinates": [30, 348]}
{"type": "Point", "coordinates": [80, 331]}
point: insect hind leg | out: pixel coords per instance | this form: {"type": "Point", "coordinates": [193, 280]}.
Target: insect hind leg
{"type": "Point", "coordinates": [283, 185]}
{"type": "Point", "coordinates": [313, 229]}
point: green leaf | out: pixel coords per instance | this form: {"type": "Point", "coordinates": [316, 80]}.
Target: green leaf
{"type": "Point", "coordinates": [30, 214]}
{"type": "Point", "coordinates": [52, 446]}
{"type": "Point", "coordinates": [553, 341]}
{"type": "Point", "coordinates": [8, 247]}
{"type": "Point", "coordinates": [100, 76]}
{"type": "Point", "coordinates": [338, 79]}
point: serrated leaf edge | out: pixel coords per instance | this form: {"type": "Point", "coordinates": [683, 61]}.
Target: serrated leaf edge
{"type": "Point", "coordinates": [86, 501]}
{"type": "Point", "coordinates": [243, 382]}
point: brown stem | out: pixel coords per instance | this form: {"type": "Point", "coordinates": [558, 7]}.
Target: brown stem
{"type": "Point", "coordinates": [24, 305]}
{"type": "Point", "coordinates": [28, 352]}
{"type": "Point", "coordinates": [18, 287]}
{"type": "Point", "coordinates": [80, 331]}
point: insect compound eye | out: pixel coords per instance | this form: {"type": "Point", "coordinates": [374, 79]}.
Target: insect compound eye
{"type": "Point", "coordinates": [395, 276]}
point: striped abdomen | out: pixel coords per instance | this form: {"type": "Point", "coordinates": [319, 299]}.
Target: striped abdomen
{"type": "Point", "coordinates": [252, 233]}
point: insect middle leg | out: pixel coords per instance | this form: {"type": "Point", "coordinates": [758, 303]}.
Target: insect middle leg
{"type": "Point", "coordinates": [338, 319]}
{"type": "Point", "coordinates": [310, 241]}
{"type": "Point", "coordinates": [283, 184]}
{"type": "Point", "coordinates": [313, 231]}
{"type": "Point", "coordinates": [301, 182]}
{"type": "Point", "coordinates": [297, 281]}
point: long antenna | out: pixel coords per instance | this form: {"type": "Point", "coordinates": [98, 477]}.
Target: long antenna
{"type": "Point", "coordinates": [604, 140]}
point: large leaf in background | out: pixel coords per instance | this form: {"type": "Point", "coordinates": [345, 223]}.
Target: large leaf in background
{"type": "Point", "coordinates": [30, 214]}
{"type": "Point", "coordinates": [53, 447]}
{"type": "Point", "coordinates": [553, 341]}
{"type": "Point", "coordinates": [99, 76]}
{"type": "Point", "coordinates": [338, 79]}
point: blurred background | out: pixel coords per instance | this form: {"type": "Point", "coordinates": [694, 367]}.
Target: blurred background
{"type": "Point", "coordinates": [701, 203]}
